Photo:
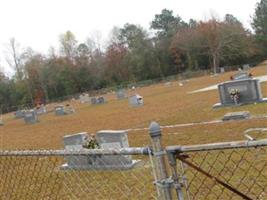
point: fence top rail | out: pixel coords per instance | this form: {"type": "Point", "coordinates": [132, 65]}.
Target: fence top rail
{"type": "Point", "coordinates": [217, 146]}
{"type": "Point", "coordinates": [85, 152]}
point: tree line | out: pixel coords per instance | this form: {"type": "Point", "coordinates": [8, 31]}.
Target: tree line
{"type": "Point", "coordinates": [132, 54]}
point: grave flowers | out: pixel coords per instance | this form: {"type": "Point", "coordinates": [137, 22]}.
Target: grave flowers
{"type": "Point", "coordinates": [91, 143]}
{"type": "Point", "coordinates": [235, 94]}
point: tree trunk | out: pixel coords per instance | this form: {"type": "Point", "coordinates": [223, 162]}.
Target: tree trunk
{"type": "Point", "coordinates": [214, 62]}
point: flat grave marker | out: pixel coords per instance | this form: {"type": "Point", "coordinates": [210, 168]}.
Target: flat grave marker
{"type": "Point", "coordinates": [236, 116]}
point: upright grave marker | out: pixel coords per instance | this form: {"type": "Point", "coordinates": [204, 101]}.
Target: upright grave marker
{"type": "Point", "coordinates": [59, 110]}
{"type": "Point", "coordinates": [114, 139]}
{"type": "Point", "coordinates": [75, 143]}
{"type": "Point", "coordinates": [40, 110]}
{"type": "Point", "coordinates": [241, 75]}
{"type": "Point", "coordinates": [84, 98]}
{"type": "Point", "coordinates": [121, 94]}
{"type": "Point", "coordinates": [136, 100]}
{"type": "Point", "coordinates": [19, 114]}
{"type": "Point", "coordinates": [64, 110]}
{"type": "Point", "coordinates": [106, 140]}
{"type": "Point", "coordinates": [239, 92]}
{"type": "Point", "coordinates": [31, 117]}
{"type": "Point", "coordinates": [246, 67]}
{"type": "Point", "coordinates": [98, 100]}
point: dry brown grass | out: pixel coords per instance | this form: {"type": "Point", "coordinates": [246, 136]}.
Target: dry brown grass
{"type": "Point", "coordinates": [39, 178]}
{"type": "Point", "coordinates": [167, 105]}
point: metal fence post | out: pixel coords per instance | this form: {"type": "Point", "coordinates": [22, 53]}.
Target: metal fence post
{"type": "Point", "coordinates": [173, 164]}
{"type": "Point", "coordinates": [162, 182]}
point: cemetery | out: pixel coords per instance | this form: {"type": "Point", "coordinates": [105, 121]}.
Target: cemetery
{"type": "Point", "coordinates": [169, 105]}
{"type": "Point", "coordinates": [119, 100]}
{"type": "Point", "coordinates": [173, 105]}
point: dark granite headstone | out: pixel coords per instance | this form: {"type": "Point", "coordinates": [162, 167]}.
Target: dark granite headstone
{"type": "Point", "coordinates": [30, 117]}
{"type": "Point", "coordinates": [249, 91]}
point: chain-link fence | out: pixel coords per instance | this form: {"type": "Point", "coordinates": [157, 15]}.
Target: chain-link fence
{"type": "Point", "coordinates": [231, 170]}
{"type": "Point", "coordinates": [61, 174]}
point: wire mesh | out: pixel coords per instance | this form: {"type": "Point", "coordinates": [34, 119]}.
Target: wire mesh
{"type": "Point", "coordinates": [76, 177]}
{"type": "Point", "coordinates": [244, 170]}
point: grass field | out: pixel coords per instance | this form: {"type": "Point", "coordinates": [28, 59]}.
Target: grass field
{"type": "Point", "coordinates": [165, 104]}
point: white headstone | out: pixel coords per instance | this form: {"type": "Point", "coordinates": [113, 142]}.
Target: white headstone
{"type": "Point", "coordinates": [106, 140]}
{"type": "Point", "coordinates": [41, 110]}
{"type": "Point", "coordinates": [246, 67]}
{"type": "Point", "coordinates": [136, 100]}
{"type": "Point", "coordinates": [114, 139]}
{"type": "Point", "coordinates": [121, 94]}
{"type": "Point", "coordinates": [84, 98]}
{"type": "Point", "coordinates": [75, 143]}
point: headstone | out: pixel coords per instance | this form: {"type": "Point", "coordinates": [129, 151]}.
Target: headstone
{"type": "Point", "coordinates": [60, 110]}
{"type": "Point", "coordinates": [136, 100]}
{"type": "Point", "coordinates": [236, 116]}
{"type": "Point", "coordinates": [75, 143]}
{"type": "Point", "coordinates": [19, 114]}
{"type": "Point", "coordinates": [167, 84]}
{"type": "Point", "coordinates": [106, 140]}
{"type": "Point", "coordinates": [240, 92]}
{"type": "Point", "coordinates": [84, 98]}
{"type": "Point", "coordinates": [114, 140]}
{"type": "Point", "coordinates": [222, 70]}
{"type": "Point", "coordinates": [69, 109]}
{"type": "Point", "coordinates": [30, 117]}
{"type": "Point", "coordinates": [93, 100]}
{"type": "Point", "coordinates": [1, 122]}
{"type": "Point", "coordinates": [41, 110]}
{"type": "Point", "coordinates": [100, 100]}
{"type": "Point", "coordinates": [121, 94]}
{"type": "Point", "coordinates": [241, 75]}
{"type": "Point", "coordinates": [246, 67]}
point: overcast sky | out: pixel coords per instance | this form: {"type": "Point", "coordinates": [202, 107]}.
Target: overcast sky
{"type": "Point", "coordinates": [38, 23]}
